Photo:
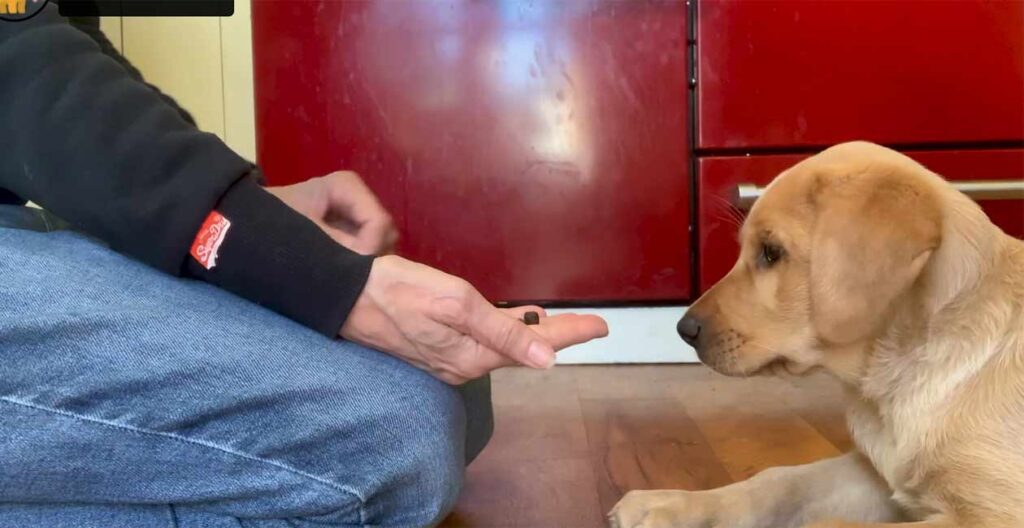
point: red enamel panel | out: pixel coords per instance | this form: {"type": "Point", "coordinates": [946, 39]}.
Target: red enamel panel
{"type": "Point", "coordinates": [783, 74]}
{"type": "Point", "coordinates": [537, 149]}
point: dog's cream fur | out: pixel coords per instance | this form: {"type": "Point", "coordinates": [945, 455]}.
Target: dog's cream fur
{"type": "Point", "coordinates": [902, 288]}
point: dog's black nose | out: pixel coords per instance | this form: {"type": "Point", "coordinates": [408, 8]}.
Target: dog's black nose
{"type": "Point", "coordinates": [689, 329]}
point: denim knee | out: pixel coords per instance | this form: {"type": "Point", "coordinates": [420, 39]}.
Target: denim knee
{"type": "Point", "coordinates": [427, 465]}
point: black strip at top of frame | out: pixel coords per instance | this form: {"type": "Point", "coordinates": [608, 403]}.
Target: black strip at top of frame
{"type": "Point", "coordinates": [187, 8]}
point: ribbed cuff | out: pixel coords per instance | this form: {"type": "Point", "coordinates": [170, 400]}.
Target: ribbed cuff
{"type": "Point", "coordinates": [278, 258]}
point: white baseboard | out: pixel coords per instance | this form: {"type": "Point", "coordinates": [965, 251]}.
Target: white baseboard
{"type": "Point", "coordinates": [636, 335]}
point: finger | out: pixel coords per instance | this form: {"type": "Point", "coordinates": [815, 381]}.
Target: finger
{"type": "Point", "coordinates": [505, 335]}
{"type": "Point", "coordinates": [366, 240]}
{"type": "Point", "coordinates": [342, 237]}
{"type": "Point", "coordinates": [491, 361]}
{"type": "Point", "coordinates": [355, 210]}
{"type": "Point", "coordinates": [519, 311]}
{"type": "Point", "coordinates": [373, 236]}
{"type": "Point", "coordinates": [566, 330]}
{"type": "Point", "coordinates": [474, 360]}
{"type": "Point", "coordinates": [562, 331]}
{"type": "Point", "coordinates": [353, 199]}
{"type": "Point", "coordinates": [449, 378]}
{"type": "Point", "coordinates": [341, 223]}
{"type": "Point", "coordinates": [390, 241]}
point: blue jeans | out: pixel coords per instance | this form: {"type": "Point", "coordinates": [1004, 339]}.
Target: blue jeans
{"type": "Point", "coordinates": [129, 398]}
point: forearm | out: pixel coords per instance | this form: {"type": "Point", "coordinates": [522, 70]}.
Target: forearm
{"type": "Point", "coordinates": [86, 139]}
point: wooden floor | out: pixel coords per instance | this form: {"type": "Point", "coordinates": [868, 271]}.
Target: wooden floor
{"type": "Point", "coordinates": [569, 442]}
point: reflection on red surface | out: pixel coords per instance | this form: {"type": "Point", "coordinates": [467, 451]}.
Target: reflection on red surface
{"type": "Point", "coordinates": [538, 149]}
{"type": "Point", "coordinates": [719, 177]}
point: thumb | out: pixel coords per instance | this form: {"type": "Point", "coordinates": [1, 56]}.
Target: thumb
{"type": "Point", "coordinates": [340, 236]}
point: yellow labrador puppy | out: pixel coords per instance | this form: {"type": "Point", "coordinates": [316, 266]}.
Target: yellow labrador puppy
{"type": "Point", "coordinates": [863, 262]}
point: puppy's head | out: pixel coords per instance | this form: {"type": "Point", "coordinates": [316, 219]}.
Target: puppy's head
{"type": "Point", "coordinates": [826, 253]}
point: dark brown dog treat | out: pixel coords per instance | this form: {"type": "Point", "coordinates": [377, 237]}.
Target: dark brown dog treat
{"type": "Point", "coordinates": [531, 318]}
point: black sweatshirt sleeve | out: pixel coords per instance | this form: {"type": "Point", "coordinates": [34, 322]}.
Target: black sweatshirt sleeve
{"type": "Point", "coordinates": [85, 139]}
{"type": "Point", "coordinates": [91, 26]}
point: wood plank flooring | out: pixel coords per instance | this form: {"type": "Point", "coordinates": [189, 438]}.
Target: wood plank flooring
{"type": "Point", "coordinates": [569, 442]}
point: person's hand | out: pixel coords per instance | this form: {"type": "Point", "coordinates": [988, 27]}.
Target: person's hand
{"type": "Point", "coordinates": [345, 208]}
{"type": "Point", "coordinates": [441, 324]}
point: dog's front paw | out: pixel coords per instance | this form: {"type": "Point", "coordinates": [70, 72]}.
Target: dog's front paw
{"type": "Point", "coordinates": [667, 509]}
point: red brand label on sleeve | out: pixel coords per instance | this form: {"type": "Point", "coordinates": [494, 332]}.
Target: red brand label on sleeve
{"type": "Point", "coordinates": [209, 238]}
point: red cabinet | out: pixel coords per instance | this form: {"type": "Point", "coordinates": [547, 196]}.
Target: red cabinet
{"type": "Point", "coordinates": [538, 149]}
{"type": "Point", "coordinates": [945, 78]}
{"type": "Point", "coordinates": [719, 176]}
{"type": "Point", "coordinates": [542, 149]}
{"type": "Point", "coordinates": [786, 74]}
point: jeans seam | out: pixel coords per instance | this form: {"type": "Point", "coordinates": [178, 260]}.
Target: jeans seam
{"type": "Point", "coordinates": [173, 515]}
{"type": "Point", "coordinates": [196, 442]}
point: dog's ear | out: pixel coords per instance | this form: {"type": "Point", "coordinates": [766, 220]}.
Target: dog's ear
{"type": "Point", "coordinates": [871, 239]}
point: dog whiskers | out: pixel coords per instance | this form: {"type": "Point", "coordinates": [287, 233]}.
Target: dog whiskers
{"type": "Point", "coordinates": [728, 212]}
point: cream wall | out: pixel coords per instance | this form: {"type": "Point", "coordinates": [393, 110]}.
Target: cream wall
{"type": "Point", "coordinates": [203, 63]}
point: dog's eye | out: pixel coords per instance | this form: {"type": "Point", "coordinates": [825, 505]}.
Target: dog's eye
{"type": "Point", "coordinates": [770, 254]}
